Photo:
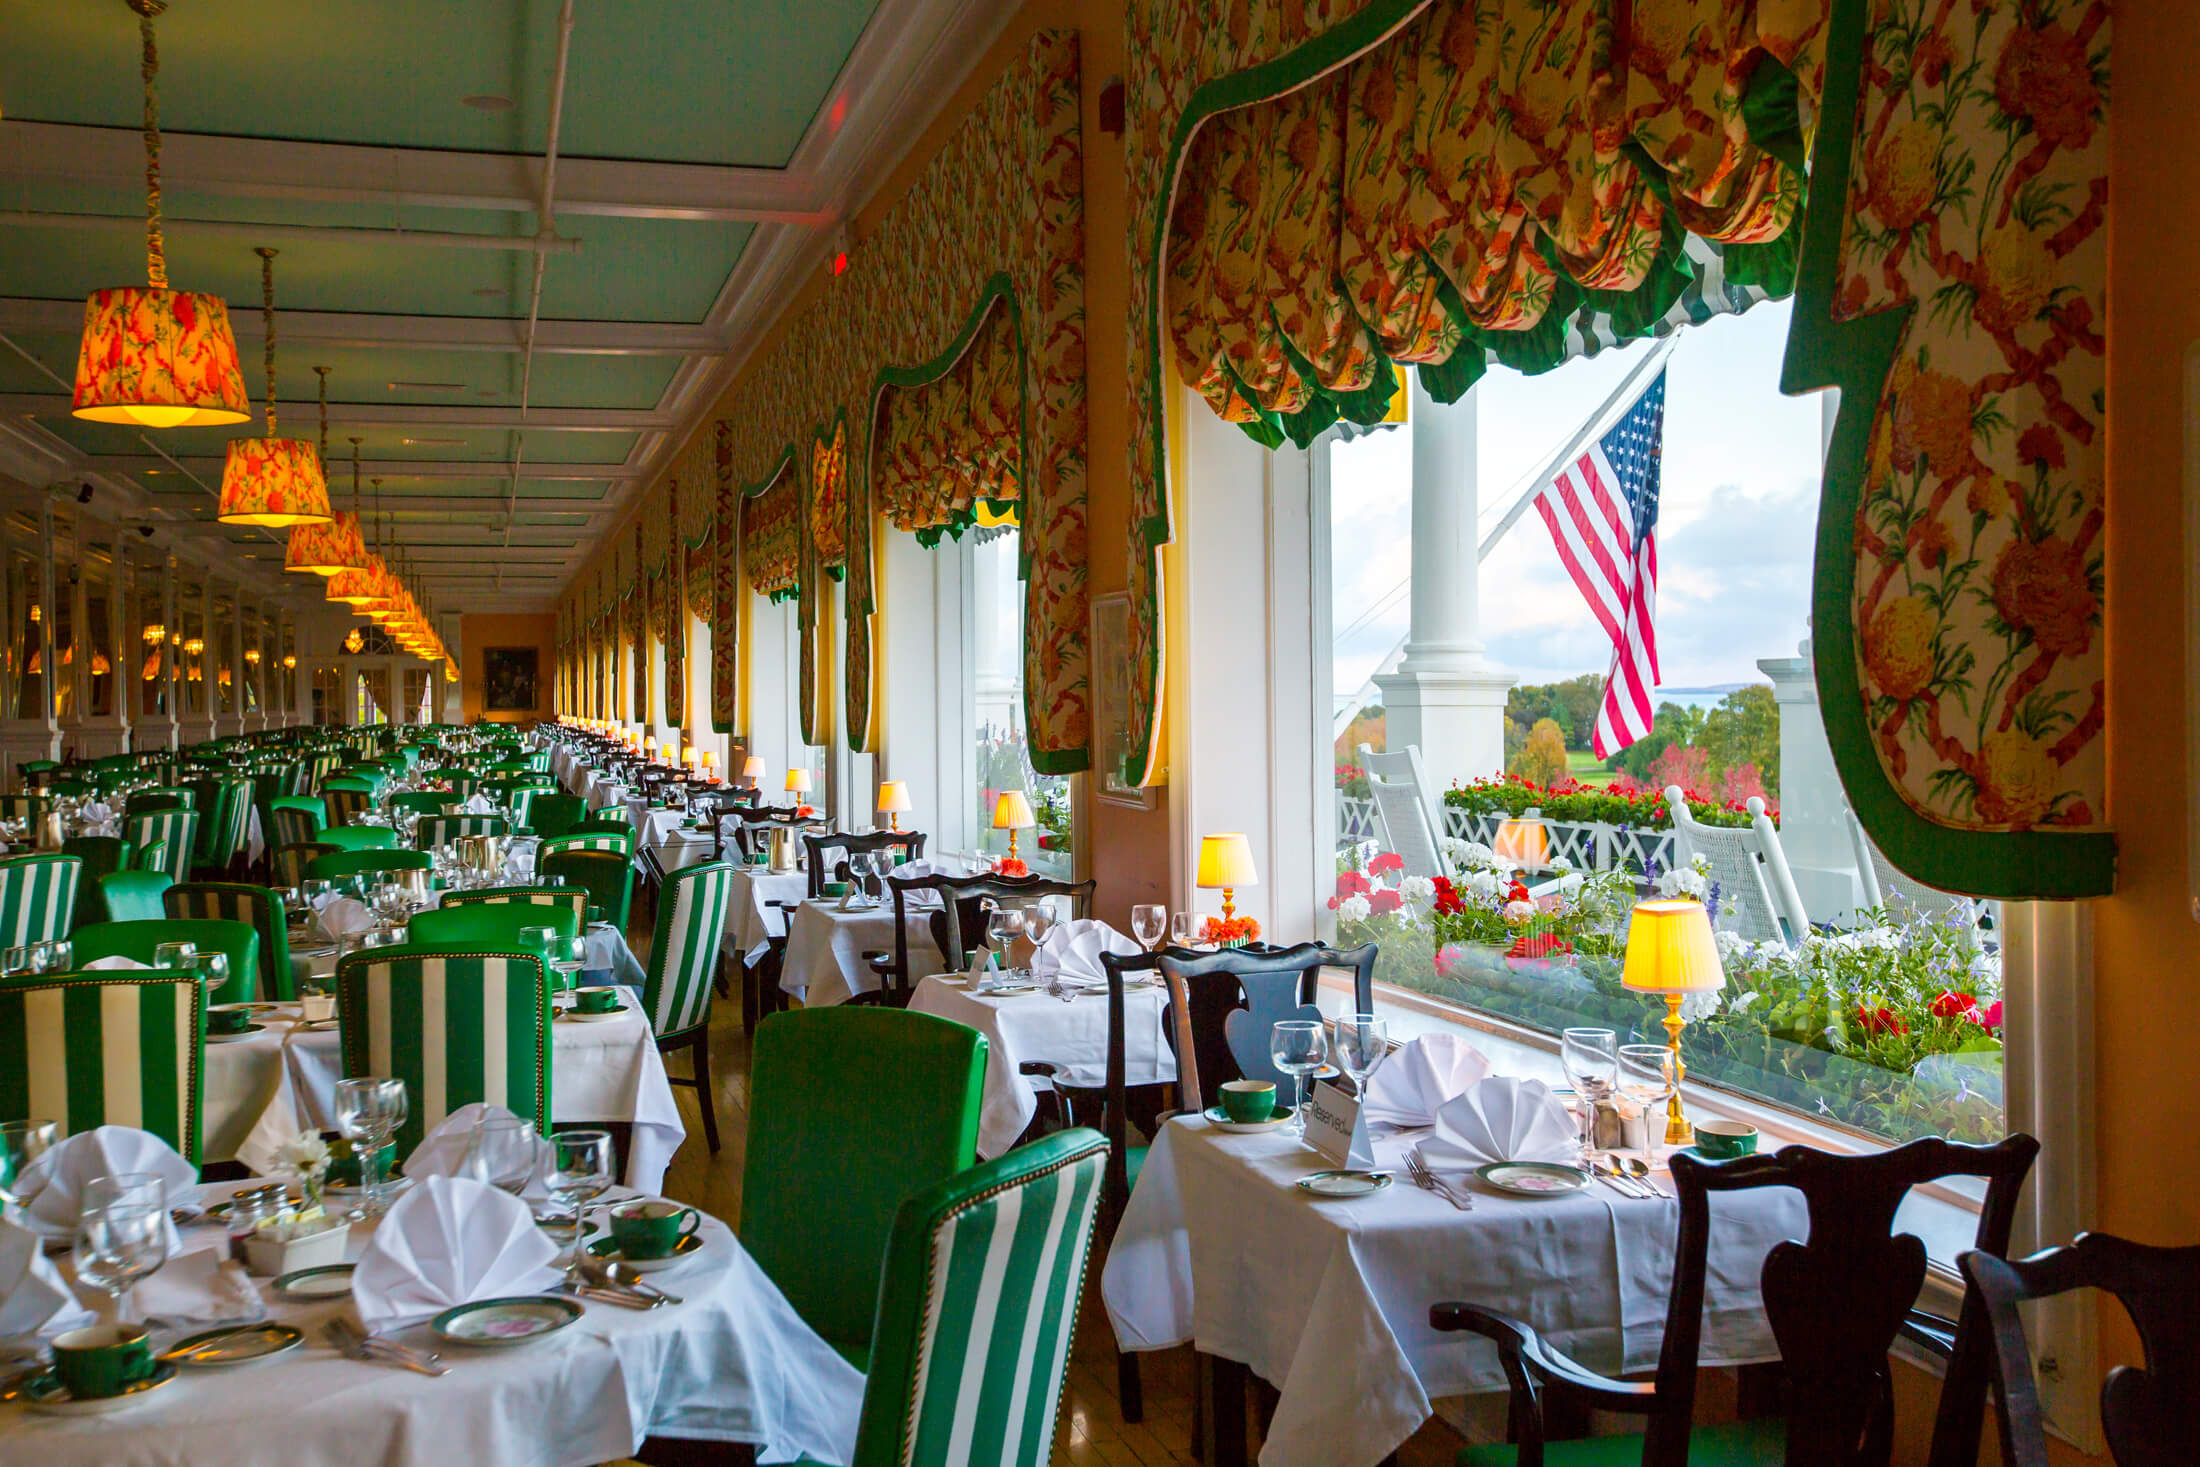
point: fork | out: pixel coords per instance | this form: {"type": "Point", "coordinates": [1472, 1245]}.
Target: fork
{"type": "Point", "coordinates": [1428, 1181]}
{"type": "Point", "coordinates": [354, 1342]}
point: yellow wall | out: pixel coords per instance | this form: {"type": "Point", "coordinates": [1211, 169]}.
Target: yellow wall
{"type": "Point", "coordinates": [478, 632]}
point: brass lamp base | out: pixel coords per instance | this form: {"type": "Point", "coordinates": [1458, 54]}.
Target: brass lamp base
{"type": "Point", "coordinates": [1678, 1132]}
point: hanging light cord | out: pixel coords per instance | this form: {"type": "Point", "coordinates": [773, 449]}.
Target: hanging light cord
{"type": "Point", "coordinates": [324, 416]}
{"type": "Point", "coordinates": [355, 480]}
{"type": "Point", "coordinates": [156, 255]}
{"type": "Point", "coordinates": [267, 313]}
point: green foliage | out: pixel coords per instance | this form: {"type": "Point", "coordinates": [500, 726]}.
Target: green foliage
{"type": "Point", "coordinates": [1587, 804]}
{"type": "Point", "coordinates": [1542, 758]}
{"type": "Point", "coordinates": [1743, 730]}
{"type": "Point", "coordinates": [1572, 705]}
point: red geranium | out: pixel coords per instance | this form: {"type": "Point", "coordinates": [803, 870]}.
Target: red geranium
{"type": "Point", "coordinates": [1879, 1021]}
{"type": "Point", "coordinates": [1953, 1005]}
{"type": "Point", "coordinates": [1350, 884]}
{"type": "Point", "coordinates": [1011, 866]}
{"type": "Point", "coordinates": [1518, 891]}
{"type": "Point", "coordinates": [1383, 900]}
{"type": "Point", "coordinates": [1988, 1018]}
{"type": "Point", "coordinates": [1385, 863]}
{"type": "Point", "coordinates": [1447, 897]}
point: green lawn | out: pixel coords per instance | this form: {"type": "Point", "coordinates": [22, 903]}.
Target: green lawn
{"type": "Point", "coordinates": [1587, 767]}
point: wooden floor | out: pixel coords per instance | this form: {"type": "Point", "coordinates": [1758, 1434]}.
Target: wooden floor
{"type": "Point", "coordinates": [1092, 1428]}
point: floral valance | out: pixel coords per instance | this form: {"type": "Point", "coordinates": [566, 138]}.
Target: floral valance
{"type": "Point", "coordinates": [828, 506]}
{"type": "Point", "coordinates": [771, 538]}
{"type": "Point", "coordinates": [655, 523]}
{"type": "Point", "coordinates": [951, 442]}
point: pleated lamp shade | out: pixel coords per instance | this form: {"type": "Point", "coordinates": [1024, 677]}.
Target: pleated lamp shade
{"type": "Point", "coordinates": [273, 482]}
{"type": "Point", "coordinates": [326, 549]}
{"type": "Point", "coordinates": [356, 588]}
{"type": "Point", "coordinates": [450, 671]}
{"type": "Point", "coordinates": [155, 358]}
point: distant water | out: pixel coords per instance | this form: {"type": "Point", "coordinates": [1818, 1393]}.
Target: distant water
{"type": "Point", "coordinates": [1693, 697]}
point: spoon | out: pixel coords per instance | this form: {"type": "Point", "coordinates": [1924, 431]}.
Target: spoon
{"type": "Point", "coordinates": [624, 1276]}
{"type": "Point", "coordinates": [1640, 1171]}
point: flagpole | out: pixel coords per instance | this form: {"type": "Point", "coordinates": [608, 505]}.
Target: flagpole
{"type": "Point", "coordinates": [1589, 428]}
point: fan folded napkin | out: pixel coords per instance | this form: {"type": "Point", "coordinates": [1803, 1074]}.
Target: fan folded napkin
{"type": "Point", "coordinates": [477, 804]}
{"type": "Point", "coordinates": [1071, 952]}
{"type": "Point", "coordinates": [117, 961]}
{"type": "Point", "coordinates": [198, 1288]}
{"type": "Point", "coordinates": [35, 1303]}
{"type": "Point", "coordinates": [1501, 1119]}
{"type": "Point", "coordinates": [98, 812]}
{"type": "Point", "coordinates": [52, 1187]}
{"type": "Point", "coordinates": [442, 1152]}
{"type": "Point", "coordinates": [449, 1241]}
{"type": "Point", "coordinates": [1413, 1084]}
{"type": "Point", "coordinates": [344, 916]}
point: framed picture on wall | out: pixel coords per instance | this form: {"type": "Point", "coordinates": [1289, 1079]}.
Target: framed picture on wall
{"type": "Point", "coordinates": [1111, 701]}
{"type": "Point", "coordinates": [508, 679]}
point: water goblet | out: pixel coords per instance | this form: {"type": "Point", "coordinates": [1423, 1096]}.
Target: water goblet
{"type": "Point", "coordinates": [567, 957]}
{"type": "Point", "coordinates": [121, 1232]}
{"type": "Point", "coordinates": [1363, 1043]}
{"type": "Point", "coordinates": [580, 1171]}
{"type": "Point", "coordinates": [18, 960]}
{"type": "Point", "coordinates": [1180, 929]}
{"type": "Point", "coordinates": [1646, 1080]}
{"type": "Point", "coordinates": [174, 954]}
{"type": "Point", "coordinates": [369, 1110]}
{"type": "Point", "coordinates": [501, 1153]}
{"type": "Point", "coordinates": [1149, 922]}
{"type": "Point", "coordinates": [1003, 926]}
{"type": "Point", "coordinates": [21, 1143]}
{"type": "Point", "coordinates": [1590, 1058]}
{"type": "Point", "coordinates": [213, 972]}
{"type": "Point", "coordinates": [1039, 920]}
{"type": "Point", "coordinates": [1298, 1048]}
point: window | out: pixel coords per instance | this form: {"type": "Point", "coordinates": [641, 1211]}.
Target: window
{"type": "Point", "coordinates": [1881, 1013]}
{"type": "Point", "coordinates": [1000, 750]}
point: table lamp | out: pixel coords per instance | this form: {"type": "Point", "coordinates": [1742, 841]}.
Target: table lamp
{"type": "Point", "coordinates": [798, 785]}
{"type": "Point", "coordinates": [1226, 862]}
{"type": "Point", "coordinates": [1671, 953]}
{"type": "Point", "coordinates": [1012, 812]}
{"type": "Point", "coordinates": [893, 801]}
{"type": "Point", "coordinates": [753, 771]}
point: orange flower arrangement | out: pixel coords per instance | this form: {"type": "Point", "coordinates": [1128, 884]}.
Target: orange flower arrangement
{"type": "Point", "coordinates": [1011, 866]}
{"type": "Point", "coordinates": [1222, 931]}
{"type": "Point", "coordinates": [805, 811]}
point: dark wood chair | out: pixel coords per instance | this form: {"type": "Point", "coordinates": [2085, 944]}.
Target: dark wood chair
{"type": "Point", "coordinates": [1272, 982]}
{"type": "Point", "coordinates": [958, 924]}
{"type": "Point", "coordinates": [1837, 1300]}
{"type": "Point", "coordinates": [753, 835]}
{"type": "Point", "coordinates": [909, 842]}
{"type": "Point", "coordinates": [2147, 1411]}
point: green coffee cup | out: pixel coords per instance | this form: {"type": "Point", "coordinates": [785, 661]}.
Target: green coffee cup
{"type": "Point", "coordinates": [649, 1228]}
{"type": "Point", "coordinates": [836, 888]}
{"type": "Point", "coordinates": [1725, 1140]}
{"type": "Point", "coordinates": [1248, 1102]}
{"type": "Point", "coordinates": [228, 1021]}
{"type": "Point", "coordinates": [102, 1359]}
{"type": "Point", "coordinates": [595, 1000]}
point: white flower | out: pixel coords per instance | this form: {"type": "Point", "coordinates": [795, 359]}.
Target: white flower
{"type": "Point", "coordinates": [1683, 882]}
{"type": "Point", "coordinates": [304, 1156]}
{"type": "Point", "coordinates": [1570, 885]}
{"type": "Point", "coordinates": [1354, 909]}
{"type": "Point", "coordinates": [1418, 891]}
{"type": "Point", "coordinates": [1700, 1005]}
{"type": "Point", "coordinates": [1483, 884]}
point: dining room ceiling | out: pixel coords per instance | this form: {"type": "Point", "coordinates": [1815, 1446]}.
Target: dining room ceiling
{"type": "Point", "coordinates": [393, 152]}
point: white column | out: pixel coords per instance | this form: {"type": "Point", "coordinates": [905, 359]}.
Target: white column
{"type": "Point", "coordinates": [1814, 831]}
{"type": "Point", "coordinates": [1445, 696]}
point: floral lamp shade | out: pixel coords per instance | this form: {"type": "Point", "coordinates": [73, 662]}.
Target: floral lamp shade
{"type": "Point", "coordinates": [358, 587]}
{"type": "Point", "coordinates": [157, 358]}
{"type": "Point", "coordinates": [326, 549]}
{"type": "Point", "coordinates": [273, 482]}
{"type": "Point", "coordinates": [450, 671]}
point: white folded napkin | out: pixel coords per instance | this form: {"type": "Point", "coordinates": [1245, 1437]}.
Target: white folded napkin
{"type": "Point", "coordinates": [117, 961]}
{"type": "Point", "coordinates": [1413, 1084]}
{"type": "Point", "coordinates": [449, 1241]}
{"type": "Point", "coordinates": [1071, 952]}
{"type": "Point", "coordinates": [1501, 1119]}
{"type": "Point", "coordinates": [198, 1288]}
{"type": "Point", "coordinates": [442, 1152]}
{"type": "Point", "coordinates": [35, 1303]}
{"type": "Point", "coordinates": [344, 916]}
{"type": "Point", "coordinates": [477, 804]}
{"type": "Point", "coordinates": [52, 1186]}
{"type": "Point", "coordinates": [98, 812]}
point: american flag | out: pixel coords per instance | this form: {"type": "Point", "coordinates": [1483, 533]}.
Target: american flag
{"type": "Point", "coordinates": [1602, 511]}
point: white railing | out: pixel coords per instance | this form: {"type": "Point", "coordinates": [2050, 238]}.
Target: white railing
{"type": "Point", "coordinates": [1583, 845]}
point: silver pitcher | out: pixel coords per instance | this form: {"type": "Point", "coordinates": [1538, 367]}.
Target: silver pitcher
{"type": "Point", "coordinates": [783, 848]}
{"type": "Point", "coordinates": [50, 833]}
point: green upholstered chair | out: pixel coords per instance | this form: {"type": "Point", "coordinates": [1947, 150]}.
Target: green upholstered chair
{"type": "Point", "coordinates": [134, 896]}
{"type": "Point", "coordinates": [287, 863]}
{"type": "Point", "coordinates": [608, 876]}
{"type": "Point", "coordinates": [436, 830]}
{"type": "Point", "coordinates": [24, 807]}
{"type": "Point", "coordinates": [620, 840]}
{"type": "Point", "coordinates": [337, 865]}
{"type": "Point", "coordinates": [488, 1013]}
{"type": "Point", "coordinates": [346, 798]}
{"type": "Point", "coordinates": [447, 773]}
{"type": "Point", "coordinates": [605, 822]}
{"type": "Point", "coordinates": [137, 939]}
{"type": "Point", "coordinates": [225, 815]}
{"type": "Point", "coordinates": [164, 839]}
{"type": "Point", "coordinates": [420, 802]}
{"type": "Point", "coordinates": [539, 761]}
{"type": "Point", "coordinates": [102, 855]}
{"type": "Point", "coordinates": [573, 898]}
{"type": "Point", "coordinates": [489, 924]}
{"type": "Point", "coordinates": [984, 1275]}
{"type": "Point", "coordinates": [520, 800]}
{"type": "Point", "coordinates": [160, 797]}
{"type": "Point", "coordinates": [551, 814]}
{"type": "Point", "coordinates": [357, 837]}
{"type": "Point", "coordinates": [683, 958]}
{"type": "Point", "coordinates": [818, 1195]}
{"type": "Point", "coordinates": [295, 818]}
{"type": "Point", "coordinates": [238, 902]}
{"type": "Point", "coordinates": [38, 896]}
{"type": "Point", "coordinates": [120, 1048]}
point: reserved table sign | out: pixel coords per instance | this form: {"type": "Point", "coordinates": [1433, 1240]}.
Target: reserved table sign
{"type": "Point", "coordinates": [1335, 1127]}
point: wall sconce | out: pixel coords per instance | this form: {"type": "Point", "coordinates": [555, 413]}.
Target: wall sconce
{"type": "Point", "coordinates": [289, 661]}
{"type": "Point", "coordinates": [194, 646]}
{"type": "Point", "coordinates": [252, 655]}
{"type": "Point", "coordinates": [154, 634]}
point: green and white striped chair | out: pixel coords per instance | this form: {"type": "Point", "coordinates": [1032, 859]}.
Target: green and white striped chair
{"type": "Point", "coordinates": [984, 1276]}
{"type": "Point", "coordinates": [346, 799]}
{"type": "Point", "coordinates": [106, 1049]}
{"type": "Point", "coordinates": [575, 898]}
{"type": "Point", "coordinates": [140, 940]}
{"type": "Point", "coordinates": [163, 839]}
{"type": "Point", "coordinates": [238, 902]}
{"type": "Point", "coordinates": [297, 818]}
{"type": "Point", "coordinates": [160, 797]}
{"type": "Point", "coordinates": [225, 814]}
{"type": "Point", "coordinates": [38, 897]}
{"type": "Point", "coordinates": [456, 1027]}
{"type": "Point", "coordinates": [621, 841]}
{"type": "Point", "coordinates": [24, 807]}
{"type": "Point", "coordinates": [436, 830]}
{"type": "Point", "coordinates": [691, 920]}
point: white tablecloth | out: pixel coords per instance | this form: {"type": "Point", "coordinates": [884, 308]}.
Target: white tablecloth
{"type": "Point", "coordinates": [825, 948]}
{"type": "Point", "coordinates": [750, 923]}
{"type": "Point", "coordinates": [599, 792]}
{"type": "Point", "coordinates": [733, 1362]}
{"type": "Point", "coordinates": [680, 849]}
{"type": "Point", "coordinates": [262, 1091]}
{"type": "Point", "coordinates": [1328, 1301]}
{"type": "Point", "coordinates": [1035, 1026]}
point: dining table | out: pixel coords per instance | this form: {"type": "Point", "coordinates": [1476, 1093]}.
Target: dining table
{"type": "Point", "coordinates": [264, 1088]}
{"type": "Point", "coordinates": [1032, 1024]}
{"type": "Point", "coordinates": [1328, 1300]}
{"type": "Point", "coordinates": [732, 1362]}
{"type": "Point", "coordinates": [827, 940]}
{"type": "Point", "coordinates": [751, 920]}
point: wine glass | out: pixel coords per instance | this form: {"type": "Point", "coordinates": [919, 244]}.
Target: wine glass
{"type": "Point", "coordinates": [1590, 1058]}
{"type": "Point", "coordinates": [213, 972]}
{"type": "Point", "coordinates": [174, 954]}
{"type": "Point", "coordinates": [567, 956]}
{"type": "Point", "coordinates": [21, 1143]}
{"type": "Point", "coordinates": [1149, 922]}
{"type": "Point", "coordinates": [1363, 1043]}
{"type": "Point", "coordinates": [1003, 926]}
{"type": "Point", "coordinates": [1298, 1048]}
{"type": "Point", "coordinates": [1646, 1080]}
{"type": "Point", "coordinates": [580, 1171]}
{"type": "Point", "coordinates": [1039, 920]}
{"type": "Point", "coordinates": [121, 1232]}
{"type": "Point", "coordinates": [502, 1153]}
{"type": "Point", "coordinates": [1180, 929]}
{"type": "Point", "coordinates": [369, 1110]}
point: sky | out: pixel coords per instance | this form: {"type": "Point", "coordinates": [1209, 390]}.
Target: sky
{"type": "Point", "coordinates": [1735, 525]}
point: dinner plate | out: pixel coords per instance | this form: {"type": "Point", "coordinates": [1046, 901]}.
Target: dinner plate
{"type": "Point", "coordinates": [47, 1395]}
{"type": "Point", "coordinates": [233, 1345]}
{"type": "Point", "coordinates": [1533, 1178]}
{"type": "Point", "coordinates": [245, 1033]}
{"type": "Point", "coordinates": [579, 1017]}
{"type": "Point", "coordinates": [504, 1324]}
{"type": "Point", "coordinates": [329, 1281]}
{"type": "Point", "coordinates": [608, 1250]}
{"type": "Point", "coordinates": [1220, 1120]}
{"type": "Point", "coordinates": [1006, 990]}
{"type": "Point", "coordinates": [316, 1026]}
{"type": "Point", "coordinates": [254, 1007]}
{"type": "Point", "coordinates": [1337, 1186]}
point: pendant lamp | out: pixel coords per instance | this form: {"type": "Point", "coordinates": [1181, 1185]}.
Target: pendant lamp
{"type": "Point", "coordinates": [354, 642]}
{"type": "Point", "coordinates": [152, 357]}
{"type": "Point", "coordinates": [272, 481]}
{"type": "Point", "coordinates": [325, 549]}
{"type": "Point", "coordinates": [361, 587]}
